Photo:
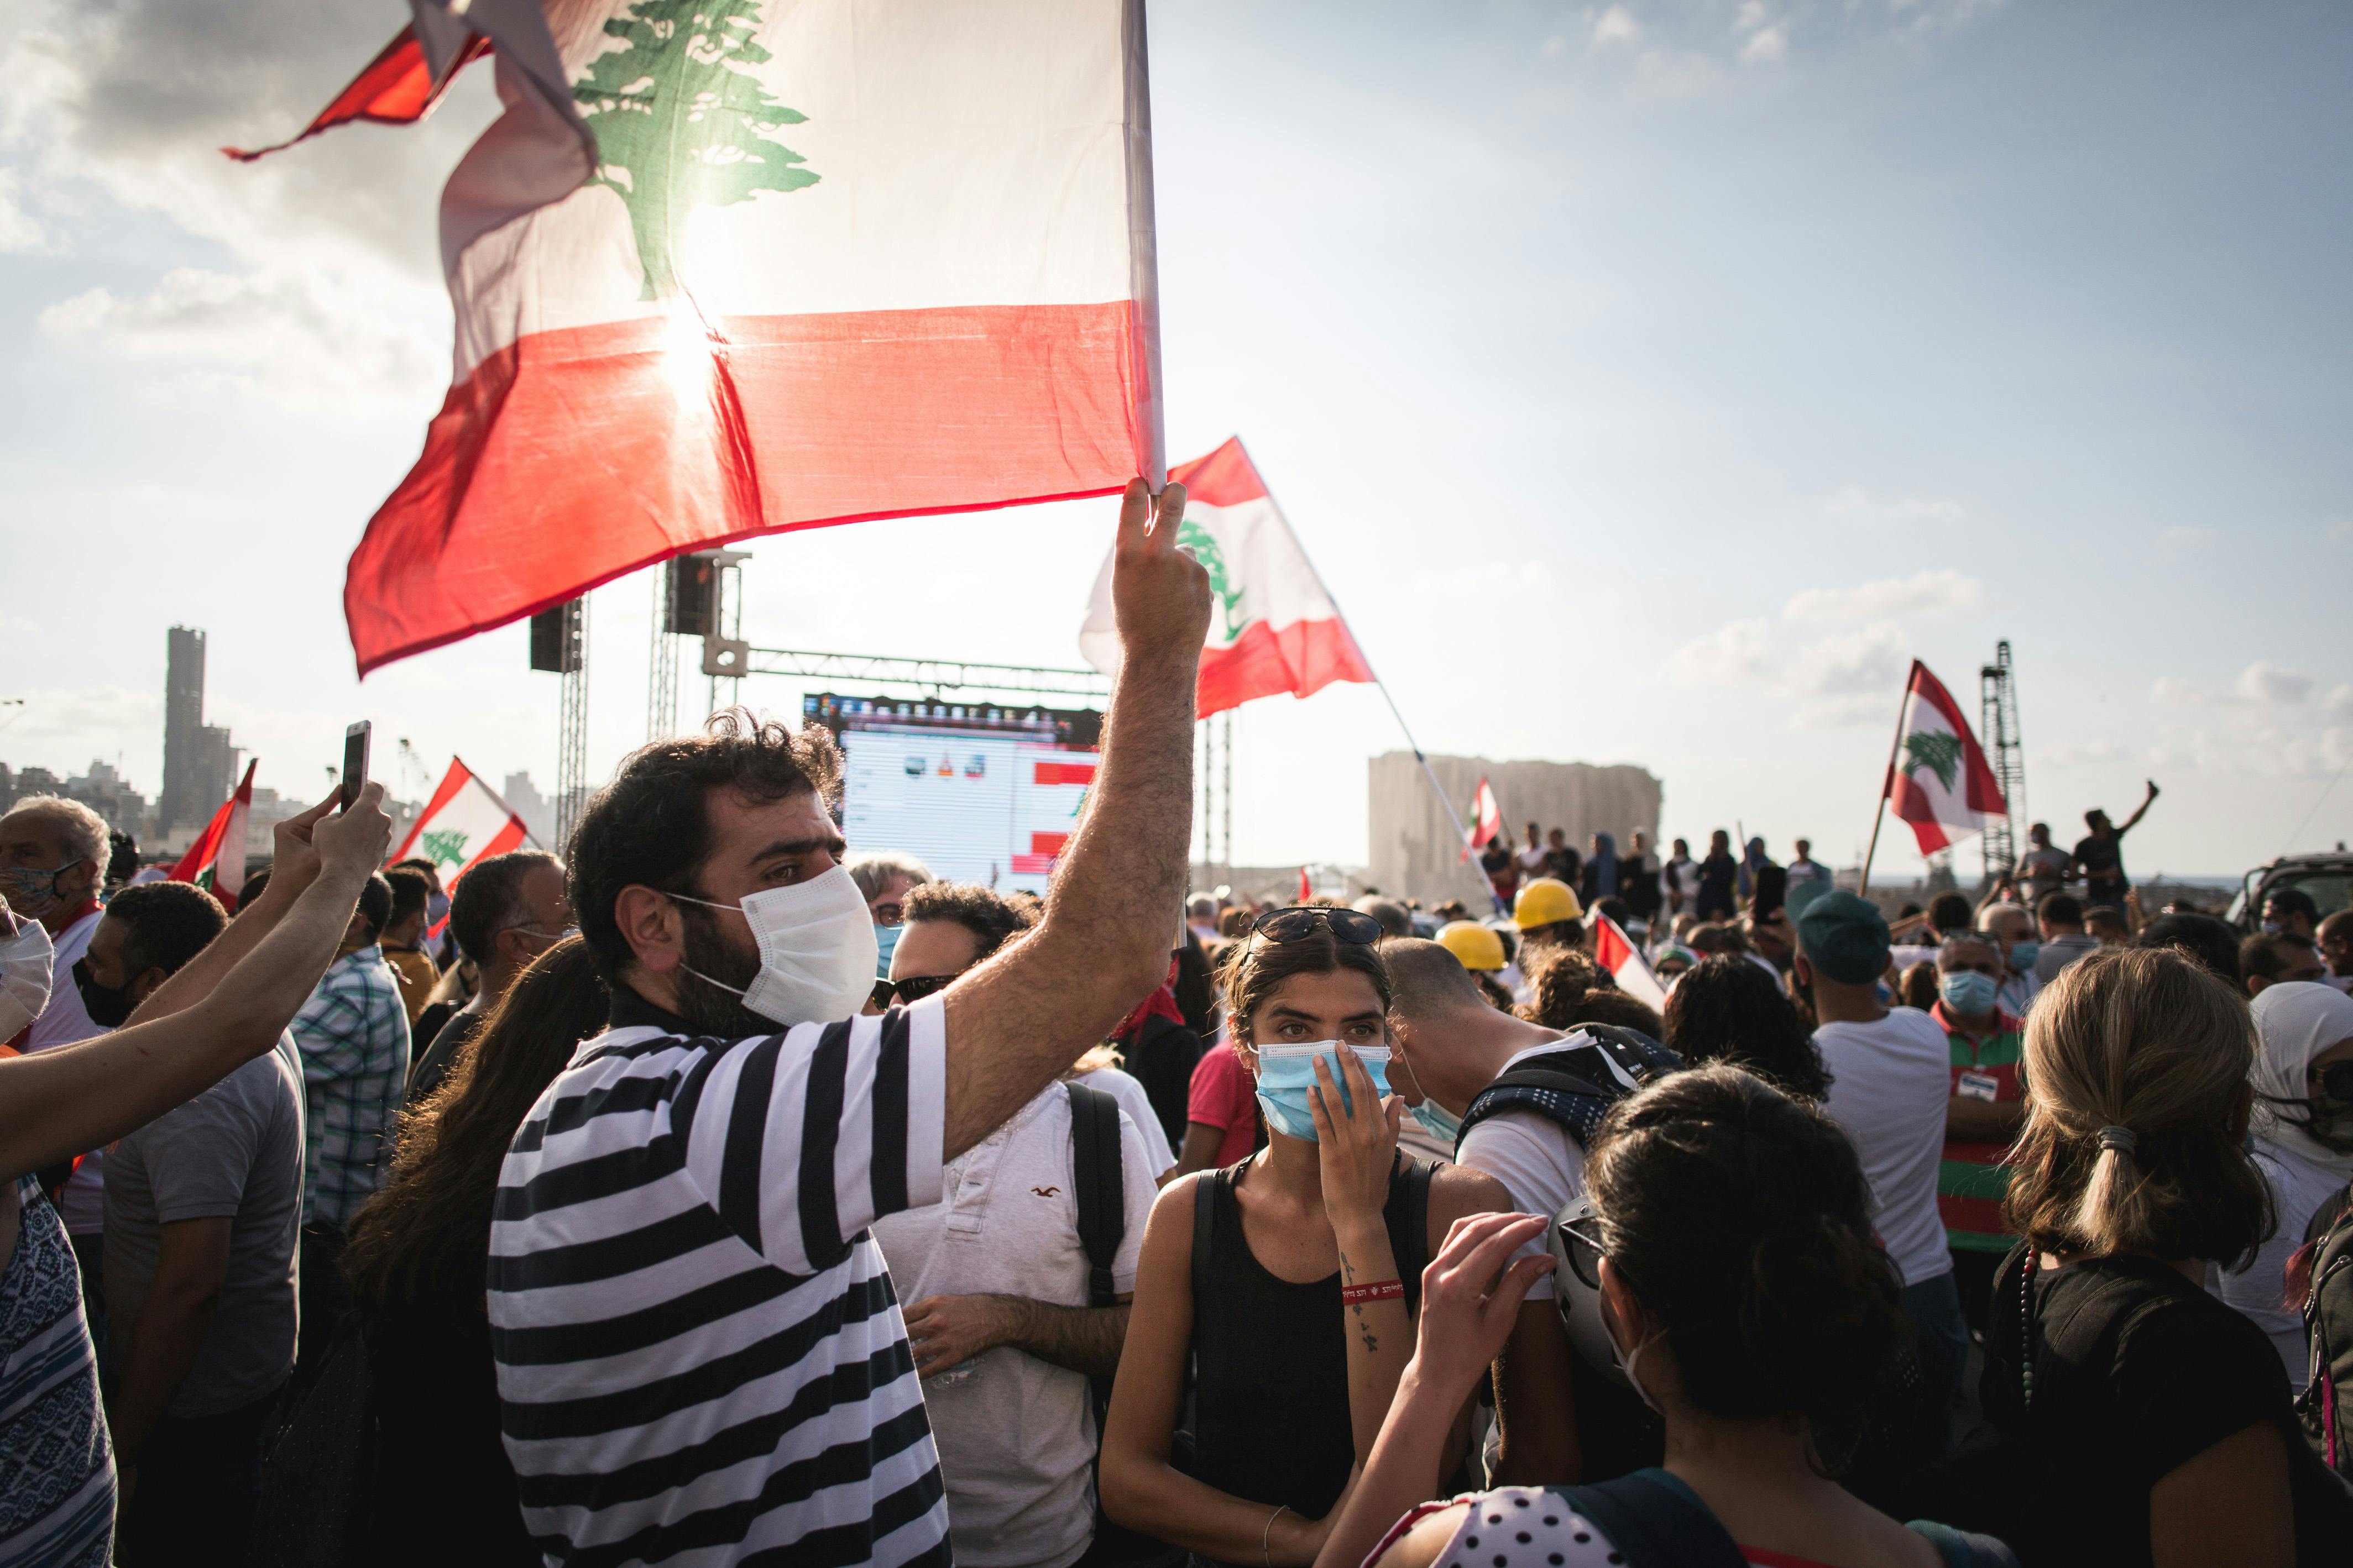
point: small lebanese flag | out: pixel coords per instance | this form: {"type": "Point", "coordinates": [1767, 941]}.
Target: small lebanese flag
{"type": "Point", "coordinates": [1306, 891]}
{"type": "Point", "coordinates": [1274, 628]}
{"type": "Point", "coordinates": [1939, 780]}
{"type": "Point", "coordinates": [725, 268]}
{"type": "Point", "coordinates": [1623, 962]}
{"type": "Point", "coordinates": [464, 824]}
{"type": "Point", "coordinates": [217, 859]}
{"type": "Point", "coordinates": [1486, 820]}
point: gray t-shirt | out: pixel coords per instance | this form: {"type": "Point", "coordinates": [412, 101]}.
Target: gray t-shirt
{"type": "Point", "coordinates": [234, 1150]}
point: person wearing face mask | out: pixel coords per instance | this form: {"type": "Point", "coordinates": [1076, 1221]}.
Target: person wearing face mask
{"type": "Point", "coordinates": [1726, 1259]}
{"type": "Point", "coordinates": [1987, 1046]}
{"type": "Point", "coordinates": [2011, 927]}
{"type": "Point", "coordinates": [884, 881]}
{"type": "Point", "coordinates": [2303, 1146]}
{"type": "Point", "coordinates": [436, 907]}
{"type": "Point", "coordinates": [202, 1210]}
{"type": "Point", "coordinates": [53, 856]}
{"type": "Point", "coordinates": [699, 1350]}
{"type": "Point", "coordinates": [1290, 1279]}
{"type": "Point", "coordinates": [1477, 1079]}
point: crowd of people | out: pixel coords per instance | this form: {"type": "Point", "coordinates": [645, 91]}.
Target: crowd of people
{"type": "Point", "coordinates": [709, 1196]}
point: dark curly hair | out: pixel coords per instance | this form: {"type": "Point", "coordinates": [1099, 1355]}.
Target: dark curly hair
{"type": "Point", "coordinates": [993, 918]}
{"type": "Point", "coordinates": [1559, 979]}
{"type": "Point", "coordinates": [1739, 1218]}
{"type": "Point", "coordinates": [1728, 1009]}
{"type": "Point", "coordinates": [649, 827]}
{"type": "Point", "coordinates": [164, 924]}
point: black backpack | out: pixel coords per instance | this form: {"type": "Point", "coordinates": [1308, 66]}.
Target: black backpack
{"type": "Point", "coordinates": [1099, 1187]}
{"type": "Point", "coordinates": [1578, 1082]}
{"type": "Point", "coordinates": [2326, 1406]}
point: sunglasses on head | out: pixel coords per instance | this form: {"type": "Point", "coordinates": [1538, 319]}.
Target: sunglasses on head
{"type": "Point", "coordinates": [1581, 1244]}
{"type": "Point", "coordinates": [914, 988]}
{"type": "Point", "coordinates": [1299, 922]}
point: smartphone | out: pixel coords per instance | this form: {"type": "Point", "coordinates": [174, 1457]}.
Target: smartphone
{"type": "Point", "coordinates": [355, 760]}
{"type": "Point", "coordinates": [1772, 892]}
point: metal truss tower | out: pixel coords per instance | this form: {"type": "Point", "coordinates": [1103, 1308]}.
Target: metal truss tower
{"type": "Point", "coordinates": [572, 725]}
{"type": "Point", "coordinates": [2005, 752]}
{"type": "Point", "coordinates": [1216, 811]}
{"type": "Point", "coordinates": [661, 669]}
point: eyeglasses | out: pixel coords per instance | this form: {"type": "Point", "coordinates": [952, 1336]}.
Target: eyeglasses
{"type": "Point", "coordinates": [914, 988]}
{"type": "Point", "coordinates": [1581, 1244]}
{"type": "Point", "coordinates": [1299, 922]}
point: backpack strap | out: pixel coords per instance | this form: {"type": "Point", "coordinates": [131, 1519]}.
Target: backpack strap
{"type": "Point", "coordinates": [1417, 1176]}
{"type": "Point", "coordinates": [1204, 1218]}
{"type": "Point", "coordinates": [1096, 1182]}
{"type": "Point", "coordinates": [1655, 1522]}
{"type": "Point", "coordinates": [1575, 1084]}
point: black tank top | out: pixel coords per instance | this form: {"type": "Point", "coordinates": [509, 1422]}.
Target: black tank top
{"type": "Point", "coordinates": [1271, 1393]}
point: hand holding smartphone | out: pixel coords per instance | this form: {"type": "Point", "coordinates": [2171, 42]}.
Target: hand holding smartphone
{"type": "Point", "coordinates": [355, 760]}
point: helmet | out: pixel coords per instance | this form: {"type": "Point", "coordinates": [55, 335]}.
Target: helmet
{"type": "Point", "coordinates": [1546, 902]}
{"type": "Point", "coordinates": [1472, 944]}
{"type": "Point", "coordinates": [1577, 1290]}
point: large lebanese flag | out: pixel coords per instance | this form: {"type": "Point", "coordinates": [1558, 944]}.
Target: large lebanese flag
{"type": "Point", "coordinates": [730, 267]}
{"type": "Point", "coordinates": [217, 859]}
{"type": "Point", "coordinates": [1939, 780]}
{"type": "Point", "coordinates": [463, 824]}
{"type": "Point", "coordinates": [1276, 628]}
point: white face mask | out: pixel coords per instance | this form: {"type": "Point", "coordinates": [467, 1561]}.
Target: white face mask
{"type": "Point", "coordinates": [817, 950]}
{"type": "Point", "coordinates": [24, 966]}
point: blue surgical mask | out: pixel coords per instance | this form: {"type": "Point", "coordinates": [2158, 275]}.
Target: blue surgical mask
{"type": "Point", "coordinates": [2023, 955]}
{"type": "Point", "coordinates": [886, 940]}
{"type": "Point", "coordinates": [1437, 1122]}
{"type": "Point", "coordinates": [1966, 992]}
{"type": "Point", "coordinates": [1286, 1077]}
{"type": "Point", "coordinates": [436, 907]}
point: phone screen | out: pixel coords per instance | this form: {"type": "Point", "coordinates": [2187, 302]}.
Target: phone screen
{"type": "Point", "coordinates": [355, 760]}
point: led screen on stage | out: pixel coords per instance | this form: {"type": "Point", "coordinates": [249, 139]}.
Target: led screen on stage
{"type": "Point", "coordinates": [975, 805]}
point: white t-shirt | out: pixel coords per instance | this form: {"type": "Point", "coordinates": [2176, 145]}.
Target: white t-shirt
{"type": "Point", "coordinates": [1016, 1434]}
{"type": "Point", "coordinates": [2299, 1185]}
{"type": "Point", "coordinates": [1133, 1100]}
{"type": "Point", "coordinates": [1889, 1085]}
{"type": "Point", "coordinates": [82, 1203]}
{"type": "Point", "coordinates": [1532, 858]}
{"type": "Point", "coordinates": [1535, 1159]}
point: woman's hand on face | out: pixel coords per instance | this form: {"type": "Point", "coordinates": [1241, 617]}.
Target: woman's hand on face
{"type": "Point", "coordinates": [1469, 1300]}
{"type": "Point", "coordinates": [1355, 1140]}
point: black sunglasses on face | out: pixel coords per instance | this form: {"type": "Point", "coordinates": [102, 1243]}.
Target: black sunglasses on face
{"type": "Point", "coordinates": [1299, 922]}
{"type": "Point", "coordinates": [2337, 1083]}
{"type": "Point", "coordinates": [914, 988]}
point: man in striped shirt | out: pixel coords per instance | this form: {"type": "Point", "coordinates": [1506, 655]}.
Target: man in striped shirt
{"type": "Point", "coordinates": [700, 1359]}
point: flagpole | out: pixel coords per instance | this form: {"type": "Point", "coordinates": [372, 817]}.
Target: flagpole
{"type": "Point", "coordinates": [1879, 812]}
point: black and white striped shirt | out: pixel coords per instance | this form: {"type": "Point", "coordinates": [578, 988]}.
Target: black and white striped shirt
{"type": "Point", "coordinates": [700, 1357]}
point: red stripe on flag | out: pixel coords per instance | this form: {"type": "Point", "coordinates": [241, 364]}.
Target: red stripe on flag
{"type": "Point", "coordinates": [1033, 865]}
{"type": "Point", "coordinates": [455, 779]}
{"type": "Point", "coordinates": [1225, 478]}
{"type": "Point", "coordinates": [1048, 843]}
{"type": "Point", "coordinates": [394, 89]}
{"type": "Point", "coordinates": [1302, 659]}
{"type": "Point", "coordinates": [1065, 773]}
{"type": "Point", "coordinates": [511, 836]}
{"type": "Point", "coordinates": [574, 457]}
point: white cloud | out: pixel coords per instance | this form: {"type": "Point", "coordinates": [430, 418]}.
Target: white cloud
{"type": "Point", "coordinates": [1736, 653]}
{"type": "Point", "coordinates": [1933, 590]}
{"type": "Point", "coordinates": [2079, 753]}
{"type": "Point", "coordinates": [2267, 684]}
{"type": "Point", "coordinates": [18, 231]}
{"type": "Point", "coordinates": [1616, 26]}
{"type": "Point", "coordinates": [2262, 684]}
{"type": "Point", "coordinates": [1852, 503]}
{"type": "Point", "coordinates": [2338, 703]}
{"type": "Point", "coordinates": [1849, 678]}
{"type": "Point", "coordinates": [290, 336]}
{"type": "Point", "coordinates": [1554, 47]}
{"type": "Point", "coordinates": [2187, 537]}
{"type": "Point", "coordinates": [1767, 44]}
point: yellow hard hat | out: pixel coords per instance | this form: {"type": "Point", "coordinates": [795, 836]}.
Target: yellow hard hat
{"type": "Point", "coordinates": [1544, 901]}
{"type": "Point", "coordinates": [1472, 944]}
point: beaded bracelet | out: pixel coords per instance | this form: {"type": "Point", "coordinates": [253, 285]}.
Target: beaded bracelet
{"type": "Point", "coordinates": [1383, 1290]}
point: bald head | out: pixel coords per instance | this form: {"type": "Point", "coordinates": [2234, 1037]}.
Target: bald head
{"type": "Point", "coordinates": [1427, 982]}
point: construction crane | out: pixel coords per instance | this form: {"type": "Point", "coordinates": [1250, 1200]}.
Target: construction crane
{"type": "Point", "coordinates": [1998, 724]}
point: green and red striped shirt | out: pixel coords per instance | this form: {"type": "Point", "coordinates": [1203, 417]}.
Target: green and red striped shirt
{"type": "Point", "coordinates": [1973, 1180]}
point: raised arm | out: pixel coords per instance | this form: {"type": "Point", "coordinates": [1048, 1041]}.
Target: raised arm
{"type": "Point", "coordinates": [2142, 810]}
{"type": "Point", "coordinates": [57, 1103]}
{"type": "Point", "coordinates": [1022, 1019]}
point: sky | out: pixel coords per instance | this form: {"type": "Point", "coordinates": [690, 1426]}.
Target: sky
{"type": "Point", "coordinates": [1649, 382]}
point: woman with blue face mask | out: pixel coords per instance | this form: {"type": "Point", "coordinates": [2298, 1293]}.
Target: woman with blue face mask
{"type": "Point", "coordinates": [1289, 1279]}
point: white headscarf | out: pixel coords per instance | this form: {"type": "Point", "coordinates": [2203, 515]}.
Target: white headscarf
{"type": "Point", "coordinates": [2295, 1021]}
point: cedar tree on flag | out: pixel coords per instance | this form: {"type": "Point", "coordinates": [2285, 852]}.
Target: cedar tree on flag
{"type": "Point", "coordinates": [1623, 962]}
{"type": "Point", "coordinates": [463, 823]}
{"type": "Point", "coordinates": [1486, 820]}
{"type": "Point", "coordinates": [1275, 628]}
{"type": "Point", "coordinates": [726, 268]}
{"type": "Point", "coordinates": [1938, 779]}
{"type": "Point", "coordinates": [217, 859]}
